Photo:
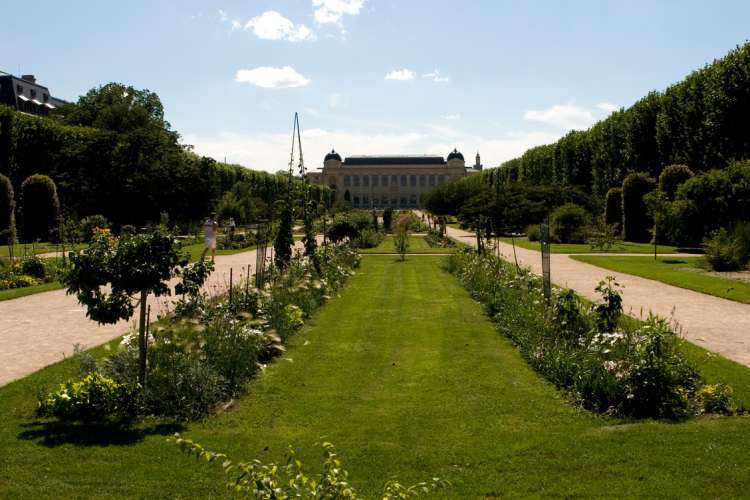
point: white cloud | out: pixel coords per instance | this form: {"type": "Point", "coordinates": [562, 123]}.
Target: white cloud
{"type": "Point", "coordinates": [272, 78]}
{"type": "Point", "coordinates": [436, 77]}
{"type": "Point", "coordinates": [400, 74]}
{"type": "Point", "coordinates": [564, 116]}
{"type": "Point", "coordinates": [608, 107]}
{"type": "Point", "coordinates": [331, 11]}
{"type": "Point", "coordinates": [452, 116]}
{"type": "Point", "coordinates": [273, 26]}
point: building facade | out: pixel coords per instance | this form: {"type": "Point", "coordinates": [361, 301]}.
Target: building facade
{"type": "Point", "coordinates": [389, 181]}
{"type": "Point", "coordinates": [24, 94]}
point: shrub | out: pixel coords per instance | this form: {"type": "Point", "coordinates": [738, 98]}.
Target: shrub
{"type": "Point", "coordinates": [387, 219]}
{"type": "Point", "coordinates": [671, 178]}
{"type": "Point", "coordinates": [33, 266]}
{"type": "Point", "coordinates": [436, 240]}
{"type": "Point", "coordinates": [613, 208]}
{"type": "Point", "coordinates": [40, 207]}
{"type": "Point", "coordinates": [93, 397]}
{"type": "Point", "coordinates": [567, 223]}
{"type": "Point", "coordinates": [7, 209]}
{"type": "Point", "coordinates": [90, 224]}
{"type": "Point", "coordinates": [533, 232]}
{"type": "Point", "coordinates": [635, 221]}
{"type": "Point", "coordinates": [723, 253]}
{"type": "Point", "coordinates": [127, 230]}
{"type": "Point", "coordinates": [715, 398]}
{"type": "Point", "coordinates": [368, 238]}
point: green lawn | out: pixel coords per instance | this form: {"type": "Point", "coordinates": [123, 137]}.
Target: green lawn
{"type": "Point", "coordinates": [407, 376]}
{"type": "Point", "coordinates": [620, 247]}
{"type": "Point", "coordinates": [417, 244]}
{"type": "Point", "coordinates": [28, 249]}
{"type": "Point", "coordinates": [15, 293]}
{"type": "Point", "coordinates": [682, 272]}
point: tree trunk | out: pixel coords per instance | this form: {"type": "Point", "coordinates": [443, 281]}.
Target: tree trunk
{"type": "Point", "coordinates": [142, 342]}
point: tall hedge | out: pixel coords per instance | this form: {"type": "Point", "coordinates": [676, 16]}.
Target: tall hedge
{"type": "Point", "coordinates": [671, 178]}
{"type": "Point", "coordinates": [613, 207]}
{"type": "Point", "coordinates": [7, 208]}
{"type": "Point", "coordinates": [636, 224]}
{"type": "Point", "coordinates": [700, 121]}
{"type": "Point", "coordinates": [40, 207]}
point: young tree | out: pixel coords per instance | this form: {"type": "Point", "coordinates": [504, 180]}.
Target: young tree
{"type": "Point", "coordinates": [7, 213]}
{"type": "Point", "coordinates": [40, 207]}
{"type": "Point", "coordinates": [132, 267]}
{"type": "Point", "coordinates": [401, 235]}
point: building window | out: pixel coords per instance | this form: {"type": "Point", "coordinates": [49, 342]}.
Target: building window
{"type": "Point", "coordinates": [413, 180]}
{"type": "Point", "coordinates": [366, 180]}
{"type": "Point", "coordinates": [375, 179]}
{"type": "Point", "coordinates": [19, 89]}
{"type": "Point", "coordinates": [403, 181]}
{"type": "Point", "coordinates": [347, 180]}
{"type": "Point", "coordinates": [384, 201]}
{"type": "Point", "coordinates": [432, 180]}
{"type": "Point", "coordinates": [403, 201]}
{"type": "Point", "coordinates": [441, 179]}
{"type": "Point", "coordinates": [356, 180]}
{"type": "Point", "coordinates": [413, 200]}
{"type": "Point", "coordinates": [394, 180]}
{"type": "Point", "coordinates": [45, 97]}
{"type": "Point", "coordinates": [356, 201]}
{"type": "Point", "coordinates": [384, 180]}
{"type": "Point", "coordinates": [33, 93]}
{"type": "Point", "coordinates": [422, 180]}
{"type": "Point", "coordinates": [394, 202]}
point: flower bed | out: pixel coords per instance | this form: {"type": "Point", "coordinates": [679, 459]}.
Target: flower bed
{"type": "Point", "coordinates": [634, 371]}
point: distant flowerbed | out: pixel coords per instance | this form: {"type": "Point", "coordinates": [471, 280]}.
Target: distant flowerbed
{"type": "Point", "coordinates": [610, 368]}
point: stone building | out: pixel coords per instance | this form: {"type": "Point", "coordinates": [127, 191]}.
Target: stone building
{"type": "Point", "coordinates": [24, 94]}
{"type": "Point", "coordinates": [389, 181]}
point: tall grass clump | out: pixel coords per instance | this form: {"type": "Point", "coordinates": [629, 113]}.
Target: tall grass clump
{"type": "Point", "coordinates": [631, 371]}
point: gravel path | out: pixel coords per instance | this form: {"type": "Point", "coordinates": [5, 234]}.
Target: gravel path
{"type": "Point", "coordinates": [41, 329]}
{"type": "Point", "coordinates": [719, 325]}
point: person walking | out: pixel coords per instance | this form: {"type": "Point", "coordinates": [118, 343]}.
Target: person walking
{"type": "Point", "coordinates": [210, 228]}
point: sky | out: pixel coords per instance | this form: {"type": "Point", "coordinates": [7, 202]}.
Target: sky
{"type": "Point", "coordinates": [371, 76]}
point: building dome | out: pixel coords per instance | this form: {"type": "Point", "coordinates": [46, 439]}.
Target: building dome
{"type": "Point", "coordinates": [455, 155]}
{"type": "Point", "coordinates": [333, 155]}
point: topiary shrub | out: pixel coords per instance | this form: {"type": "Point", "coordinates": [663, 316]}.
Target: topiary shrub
{"type": "Point", "coordinates": [613, 208]}
{"type": "Point", "coordinates": [387, 219]}
{"type": "Point", "coordinates": [7, 208]}
{"type": "Point", "coordinates": [726, 251]}
{"type": "Point", "coordinates": [671, 178]}
{"type": "Point", "coordinates": [40, 207]}
{"type": "Point", "coordinates": [567, 223]}
{"type": "Point", "coordinates": [533, 232]}
{"type": "Point", "coordinates": [636, 224]}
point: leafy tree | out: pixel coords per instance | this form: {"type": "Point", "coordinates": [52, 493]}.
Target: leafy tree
{"type": "Point", "coordinates": [401, 235]}
{"type": "Point", "coordinates": [229, 207]}
{"type": "Point", "coordinates": [635, 220]}
{"type": "Point", "coordinates": [672, 177]}
{"type": "Point", "coordinates": [284, 241]}
{"type": "Point", "coordinates": [567, 223]}
{"type": "Point", "coordinates": [40, 206]}
{"type": "Point", "coordinates": [132, 267]}
{"type": "Point", "coordinates": [89, 226]}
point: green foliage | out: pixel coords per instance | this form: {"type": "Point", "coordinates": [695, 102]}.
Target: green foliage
{"type": "Point", "coordinates": [602, 237]}
{"type": "Point", "coordinates": [698, 121]}
{"type": "Point", "coordinates": [229, 207]}
{"type": "Point", "coordinates": [724, 252]}
{"type": "Point", "coordinates": [636, 224]}
{"type": "Point", "coordinates": [567, 223]}
{"type": "Point", "coordinates": [33, 266]}
{"type": "Point", "coordinates": [401, 234]}
{"type": "Point", "coordinates": [375, 224]}
{"type": "Point", "coordinates": [368, 238]}
{"type": "Point", "coordinates": [289, 480]}
{"type": "Point", "coordinates": [672, 177]}
{"type": "Point", "coordinates": [533, 232]}
{"type": "Point", "coordinates": [89, 226]}
{"type": "Point", "coordinates": [387, 219]}
{"type": "Point", "coordinates": [613, 208]}
{"type": "Point", "coordinates": [284, 241]}
{"type": "Point", "coordinates": [40, 207]}
{"type": "Point", "coordinates": [94, 397]}
{"type": "Point", "coordinates": [435, 239]}
{"type": "Point", "coordinates": [716, 398]}
{"type": "Point", "coordinates": [7, 211]}
{"type": "Point", "coordinates": [626, 369]}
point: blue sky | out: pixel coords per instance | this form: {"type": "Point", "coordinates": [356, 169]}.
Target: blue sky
{"type": "Point", "coordinates": [372, 76]}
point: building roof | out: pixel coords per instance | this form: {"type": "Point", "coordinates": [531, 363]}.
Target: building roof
{"type": "Point", "coordinates": [333, 155]}
{"type": "Point", "coordinates": [455, 155]}
{"type": "Point", "coordinates": [394, 160]}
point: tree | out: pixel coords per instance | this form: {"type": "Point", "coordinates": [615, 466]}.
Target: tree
{"type": "Point", "coordinates": [635, 220]}
{"type": "Point", "coordinates": [309, 239]}
{"type": "Point", "coordinates": [672, 177]}
{"type": "Point", "coordinates": [7, 211]}
{"type": "Point", "coordinates": [387, 219]}
{"type": "Point", "coordinates": [401, 235]}
{"type": "Point", "coordinates": [40, 207]}
{"type": "Point", "coordinates": [132, 267]}
{"type": "Point", "coordinates": [229, 207]}
{"type": "Point", "coordinates": [375, 225]}
{"type": "Point", "coordinates": [613, 208]}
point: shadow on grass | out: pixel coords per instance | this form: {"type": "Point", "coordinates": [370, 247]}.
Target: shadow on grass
{"type": "Point", "coordinates": [109, 433]}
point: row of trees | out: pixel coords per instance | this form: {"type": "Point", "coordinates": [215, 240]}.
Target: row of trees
{"type": "Point", "coordinates": [39, 208]}
{"type": "Point", "coordinates": [112, 153]}
{"type": "Point", "coordinates": [700, 121]}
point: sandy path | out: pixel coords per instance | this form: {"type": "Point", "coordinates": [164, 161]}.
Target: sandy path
{"type": "Point", "coordinates": [41, 329]}
{"type": "Point", "coordinates": [720, 325]}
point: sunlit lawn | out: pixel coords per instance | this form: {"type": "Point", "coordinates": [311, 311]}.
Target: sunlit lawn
{"type": "Point", "coordinates": [417, 244]}
{"type": "Point", "coordinates": [619, 247]}
{"type": "Point", "coordinates": [405, 374]}
{"type": "Point", "coordinates": [684, 272]}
